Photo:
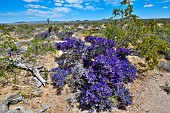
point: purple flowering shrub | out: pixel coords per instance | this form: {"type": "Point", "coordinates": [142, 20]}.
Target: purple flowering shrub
{"type": "Point", "coordinates": [96, 70]}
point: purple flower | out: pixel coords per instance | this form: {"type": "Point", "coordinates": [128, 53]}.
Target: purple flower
{"type": "Point", "coordinates": [98, 70]}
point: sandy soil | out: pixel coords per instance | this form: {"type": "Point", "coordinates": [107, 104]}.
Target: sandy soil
{"type": "Point", "coordinates": [148, 97]}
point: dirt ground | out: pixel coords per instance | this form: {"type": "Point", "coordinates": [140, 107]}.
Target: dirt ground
{"type": "Point", "coordinates": [148, 97]}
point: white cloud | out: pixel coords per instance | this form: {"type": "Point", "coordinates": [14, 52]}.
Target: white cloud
{"type": "Point", "coordinates": [62, 9]}
{"type": "Point", "coordinates": [117, 2]}
{"type": "Point", "coordinates": [74, 1]}
{"type": "Point", "coordinates": [165, 1]}
{"type": "Point", "coordinates": [89, 8]}
{"type": "Point", "coordinates": [113, 2]}
{"type": "Point", "coordinates": [59, 1]}
{"type": "Point", "coordinates": [11, 13]}
{"type": "Point", "coordinates": [49, 2]}
{"type": "Point", "coordinates": [35, 6]}
{"type": "Point", "coordinates": [165, 7]}
{"type": "Point", "coordinates": [52, 13]}
{"type": "Point", "coordinates": [75, 6]}
{"type": "Point", "coordinates": [56, 0]}
{"type": "Point", "coordinates": [31, 0]}
{"type": "Point", "coordinates": [58, 4]}
{"type": "Point", "coordinates": [99, 8]}
{"type": "Point", "coordinates": [148, 5]}
{"type": "Point", "coordinates": [36, 12]}
{"type": "Point", "coordinates": [74, 14]}
{"type": "Point", "coordinates": [87, 3]}
{"type": "Point", "coordinates": [91, 0]}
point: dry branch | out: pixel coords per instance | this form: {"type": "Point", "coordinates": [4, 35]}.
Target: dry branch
{"type": "Point", "coordinates": [34, 70]}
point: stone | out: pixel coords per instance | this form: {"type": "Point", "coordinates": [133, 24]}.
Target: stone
{"type": "Point", "coordinates": [165, 65]}
{"type": "Point", "coordinates": [139, 63]}
{"type": "Point", "coordinates": [37, 93]}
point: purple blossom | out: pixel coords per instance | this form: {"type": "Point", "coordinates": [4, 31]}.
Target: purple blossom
{"type": "Point", "coordinates": [98, 70]}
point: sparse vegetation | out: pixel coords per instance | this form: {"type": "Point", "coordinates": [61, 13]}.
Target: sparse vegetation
{"type": "Point", "coordinates": [128, 29]}
{"type": "Point", "coordinates": [95, 71]}
{"type": "Point", "coordinates": [166, 87]}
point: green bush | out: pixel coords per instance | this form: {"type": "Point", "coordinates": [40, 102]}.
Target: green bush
{"type": "Point", "coordinates": [37, 48]}
{"type": "Point", "coordinates": [7, 49]}
{"type": "Point", "coordinates": [126, 28]}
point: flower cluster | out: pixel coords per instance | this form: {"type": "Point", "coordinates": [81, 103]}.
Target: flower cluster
{"type": "Point", "coordinates": [60, 76]}
{"type": "Point", "coordinates": [70, 44]}
{"type": "Point", "coordinates": [97, 70]}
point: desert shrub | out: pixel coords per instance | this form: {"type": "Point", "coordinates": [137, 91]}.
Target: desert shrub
{"type": "Point", "coordinates": [62, 35]}
{"type": "Point", "coordinates": [38, 48]}
{"type": "Point", "coordinates": [163, 33]}
{"type": "Point", "coordinates": [7, 49]}
{"type": "Point", "coordinates": [126, 28]}
{"type": "Point", "coordinates": [166, 87]}
{"type": "Point", "coordinates": [96, 71]}
{"type": "Point", "coordinates": [11, 53]}
{"type": "Point", "coordinates": [24, 29]}
{"type": "Point", "coordinates": [93, 32]}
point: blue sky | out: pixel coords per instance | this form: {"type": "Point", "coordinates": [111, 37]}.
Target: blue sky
{"type": "Point", "coordinates": [67, 10]}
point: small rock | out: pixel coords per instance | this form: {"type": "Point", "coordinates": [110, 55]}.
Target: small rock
{"type": "Point", "coordinates": [26, 91]}
{"type": "Point", "coordinates": [16, 87]}
{"type": "Point", "coordinates": [3, 108]}
{"type": "Point", "coordinates": [164, 65]}
{"type": "Point", "coordinates": [59, 53]}
{"type": "Point", "coordinates": [37, 93]}
{"type": "Point", "coordinates": [34, 105]}
{"type": "Point", "coordinates": [19, 109]}
{"type": "Point", "coordinates": [29, 111]}
{"type": "Point", "coordinates": [138, 62]}
{"type": "Point", "coordinates": [44, 109]}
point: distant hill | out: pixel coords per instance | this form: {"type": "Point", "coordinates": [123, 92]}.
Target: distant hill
{"type": "Point", "coordinates": [159, 20]}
